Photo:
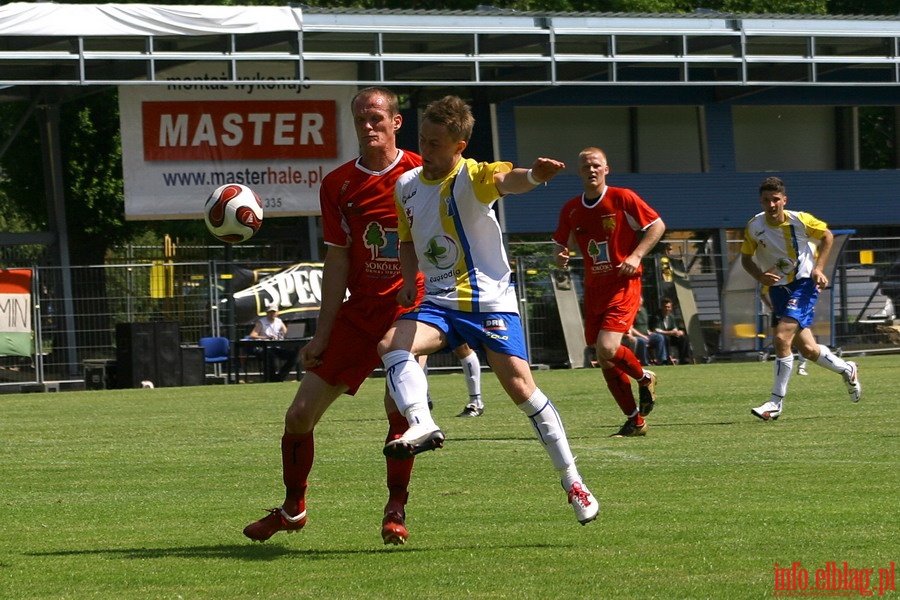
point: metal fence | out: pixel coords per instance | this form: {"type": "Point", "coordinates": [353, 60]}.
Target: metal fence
{"type": "Point", "coordinates": [855, 315]}
{"type": "Point", "coordinates": [70, 331]}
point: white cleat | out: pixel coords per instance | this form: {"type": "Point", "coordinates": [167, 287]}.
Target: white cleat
{"type": "Point", "coordinates": [584, 503]}
{"type": "Point", "coordinates": [416, 439]}
{"type": "Point", "coordinates": [769, 411]}
{"type": "Point", "coordinates": [851, 379]}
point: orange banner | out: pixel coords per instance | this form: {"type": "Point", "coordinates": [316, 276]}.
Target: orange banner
{"type": "Point", "coordinates": [15, 312]}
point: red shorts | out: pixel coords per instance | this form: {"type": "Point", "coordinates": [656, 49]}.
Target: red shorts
{"type": "Point", "coordinates": [610, 308]}
{"type": "Point", "coordinates": [352, 352]}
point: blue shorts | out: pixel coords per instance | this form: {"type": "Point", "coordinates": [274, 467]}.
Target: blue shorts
{"type": "Point", "coordinates": [500, 331]}
{"type": "Point", "coordinates": [796, 300]}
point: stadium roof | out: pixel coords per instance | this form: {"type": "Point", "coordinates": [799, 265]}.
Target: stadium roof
{"type": "Point", "coordinates": [68, 45]}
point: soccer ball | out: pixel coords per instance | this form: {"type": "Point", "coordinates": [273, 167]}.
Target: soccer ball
{"type": "Point", "coordinates": [233, 213]}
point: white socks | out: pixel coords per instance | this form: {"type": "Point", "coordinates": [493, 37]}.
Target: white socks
{"type": "Point", "coordinates": [783, 367]}
{"type": "Point", "coordinates": [408, 386]}
{"type": "Point", "coordinates": [549, 429]}
{"type": "Point", "coordinates": [472, 371]}
{"type": "Point", "coordinates": [831, 361]}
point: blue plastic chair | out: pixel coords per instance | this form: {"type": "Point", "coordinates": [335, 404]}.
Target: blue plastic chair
{"type": "Point", "coordinates": [216, 351]}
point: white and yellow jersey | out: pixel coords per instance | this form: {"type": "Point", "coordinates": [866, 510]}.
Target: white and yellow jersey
{"type": "Point", "coordinates": [457, 237]}
{"type": "Point", "coordinates": [789, 248]}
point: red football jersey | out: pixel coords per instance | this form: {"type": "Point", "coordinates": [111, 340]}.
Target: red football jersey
{"type": "Point", "coordinates": [606, 233]}
{"type": "Point", "coordinates": [358, 212]}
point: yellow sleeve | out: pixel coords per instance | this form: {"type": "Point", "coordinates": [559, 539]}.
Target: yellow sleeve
{"type": "Point", "coordinates": [403, 232]}
{"type": "Point", "coordinates": [748, 246]}
{"type": "Point", "coordinates": [482, 176]}
{"type": "Point", "coordinates": [815, 228]}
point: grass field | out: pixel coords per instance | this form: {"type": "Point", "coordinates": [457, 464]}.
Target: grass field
{"type": "Point", "coordinates": [143, 493]}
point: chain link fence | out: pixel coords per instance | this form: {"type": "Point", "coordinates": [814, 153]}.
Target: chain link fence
{"type": "Point", "coordinates": [68, 331]}
{"type": "Point", "coordinates": [855, 315]}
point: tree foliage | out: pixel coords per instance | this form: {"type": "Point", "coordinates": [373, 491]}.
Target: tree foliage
{"type": "Point", "coordinates": [92, 174]}
{"type": "Point", "coordinates": [795, 7]}
{"type": "Point", "coordinates": [90, 126]}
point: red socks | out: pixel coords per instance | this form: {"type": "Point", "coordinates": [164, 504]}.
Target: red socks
{"type": "Point", "coordinates": [399, 472]}
{"type": "Point", "coordinates": [297, 452]}
{"type": "Point", "coordinates": [625, 360]}
{"type": "Point", "coordinates": [620, 386]}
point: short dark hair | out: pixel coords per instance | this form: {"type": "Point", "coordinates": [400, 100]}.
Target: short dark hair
{"type": "Point", "coordinates": [453, 113]}
{"type": "Point", "coordinates": [772, 184]}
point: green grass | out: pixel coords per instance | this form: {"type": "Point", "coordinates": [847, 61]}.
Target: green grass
{"type": "Point", "coordinates": [143, 493]}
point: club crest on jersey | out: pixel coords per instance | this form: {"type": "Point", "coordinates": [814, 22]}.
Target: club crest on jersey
{"type": "Point", "coordinates": [442, 252]}
{"type": "Point", "coordinates": [449, 206]}
{"type": "Point", "coordinates": [609, 223]}
{"type": "Point", "coordinates": [494, 324]}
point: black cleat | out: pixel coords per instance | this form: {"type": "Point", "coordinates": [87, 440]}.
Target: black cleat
{"type": "Point", "coordinates": [471, 411]}
{"type": "Point", "coordinates": [416, 440]}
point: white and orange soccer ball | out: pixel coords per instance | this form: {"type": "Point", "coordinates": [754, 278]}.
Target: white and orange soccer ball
{"type": "Point", "coordinates": [233, 213]}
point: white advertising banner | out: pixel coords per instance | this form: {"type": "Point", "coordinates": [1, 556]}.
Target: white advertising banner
{"type": "Point", "coordinates": [181, 141]}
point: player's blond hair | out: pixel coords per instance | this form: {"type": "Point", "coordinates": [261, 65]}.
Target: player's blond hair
{"type": "Point", "coordinates": [454, 114]}
{"type": "Point", "coordinates": [592, 150]}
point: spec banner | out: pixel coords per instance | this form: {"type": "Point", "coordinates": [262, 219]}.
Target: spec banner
{"type": "Point", "coordinates": [296, 289]}
{"type": "Point", "coordinates": [183, 140]}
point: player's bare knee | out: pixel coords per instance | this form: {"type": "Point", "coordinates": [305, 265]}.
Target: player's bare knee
{"type": "Point", "coordinates": [387, 343]}
{"type": "Point", "coordinates": [298, 421]}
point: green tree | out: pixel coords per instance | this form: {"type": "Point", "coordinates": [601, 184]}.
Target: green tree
{"type": "Point", "coordinates": [90, 125]}
{"type": "Point", "coordinates": [374, 237]}
{"type": "Point", "coordinates": [92, 175]}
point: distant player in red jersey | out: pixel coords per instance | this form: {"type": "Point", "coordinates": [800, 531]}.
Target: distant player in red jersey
{"type": "Point", "coordinates": [360, 229]}
{"type": "Point", "coordinates": [614, 229]}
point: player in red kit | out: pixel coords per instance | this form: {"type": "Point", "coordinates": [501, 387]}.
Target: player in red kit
{"type": "Point", "coordinates": [360, 230]}
{"type": "Point", "coordinates": [614, 229]}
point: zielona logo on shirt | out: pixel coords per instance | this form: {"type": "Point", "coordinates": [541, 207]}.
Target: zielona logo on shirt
{"type": "Point", "coordinates": [442, 252]}
{"type": "Point", "coordinates": [785, 265]}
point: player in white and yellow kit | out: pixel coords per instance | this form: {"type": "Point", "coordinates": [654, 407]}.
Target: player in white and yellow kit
{"type": "Point", "coordinates": [447, 231]}
{"type": "Point", "coordinates": [779, 251]}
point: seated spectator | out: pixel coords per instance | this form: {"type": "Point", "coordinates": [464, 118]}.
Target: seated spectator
{"type": "Point", "coordinates": [640, 338]}
{"type": "Point", "coordinates": [667, 324]}
{"type": "Point", "coordinates": [271, 327]}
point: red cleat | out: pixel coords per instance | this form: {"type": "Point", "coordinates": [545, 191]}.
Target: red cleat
{"type": "Point", "coordinates": [393, 528]}
{"type": "Point", "coordinates": [277, 520]}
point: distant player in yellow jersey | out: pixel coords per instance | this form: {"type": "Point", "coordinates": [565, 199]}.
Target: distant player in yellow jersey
{"type": "Point", "coordinates": [778, 251]}
{"type": "Point", "coordinates": [448, 231]}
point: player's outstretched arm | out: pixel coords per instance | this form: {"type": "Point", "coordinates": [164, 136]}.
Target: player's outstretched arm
{"type": "Point", "coordinates": [519, 180]}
